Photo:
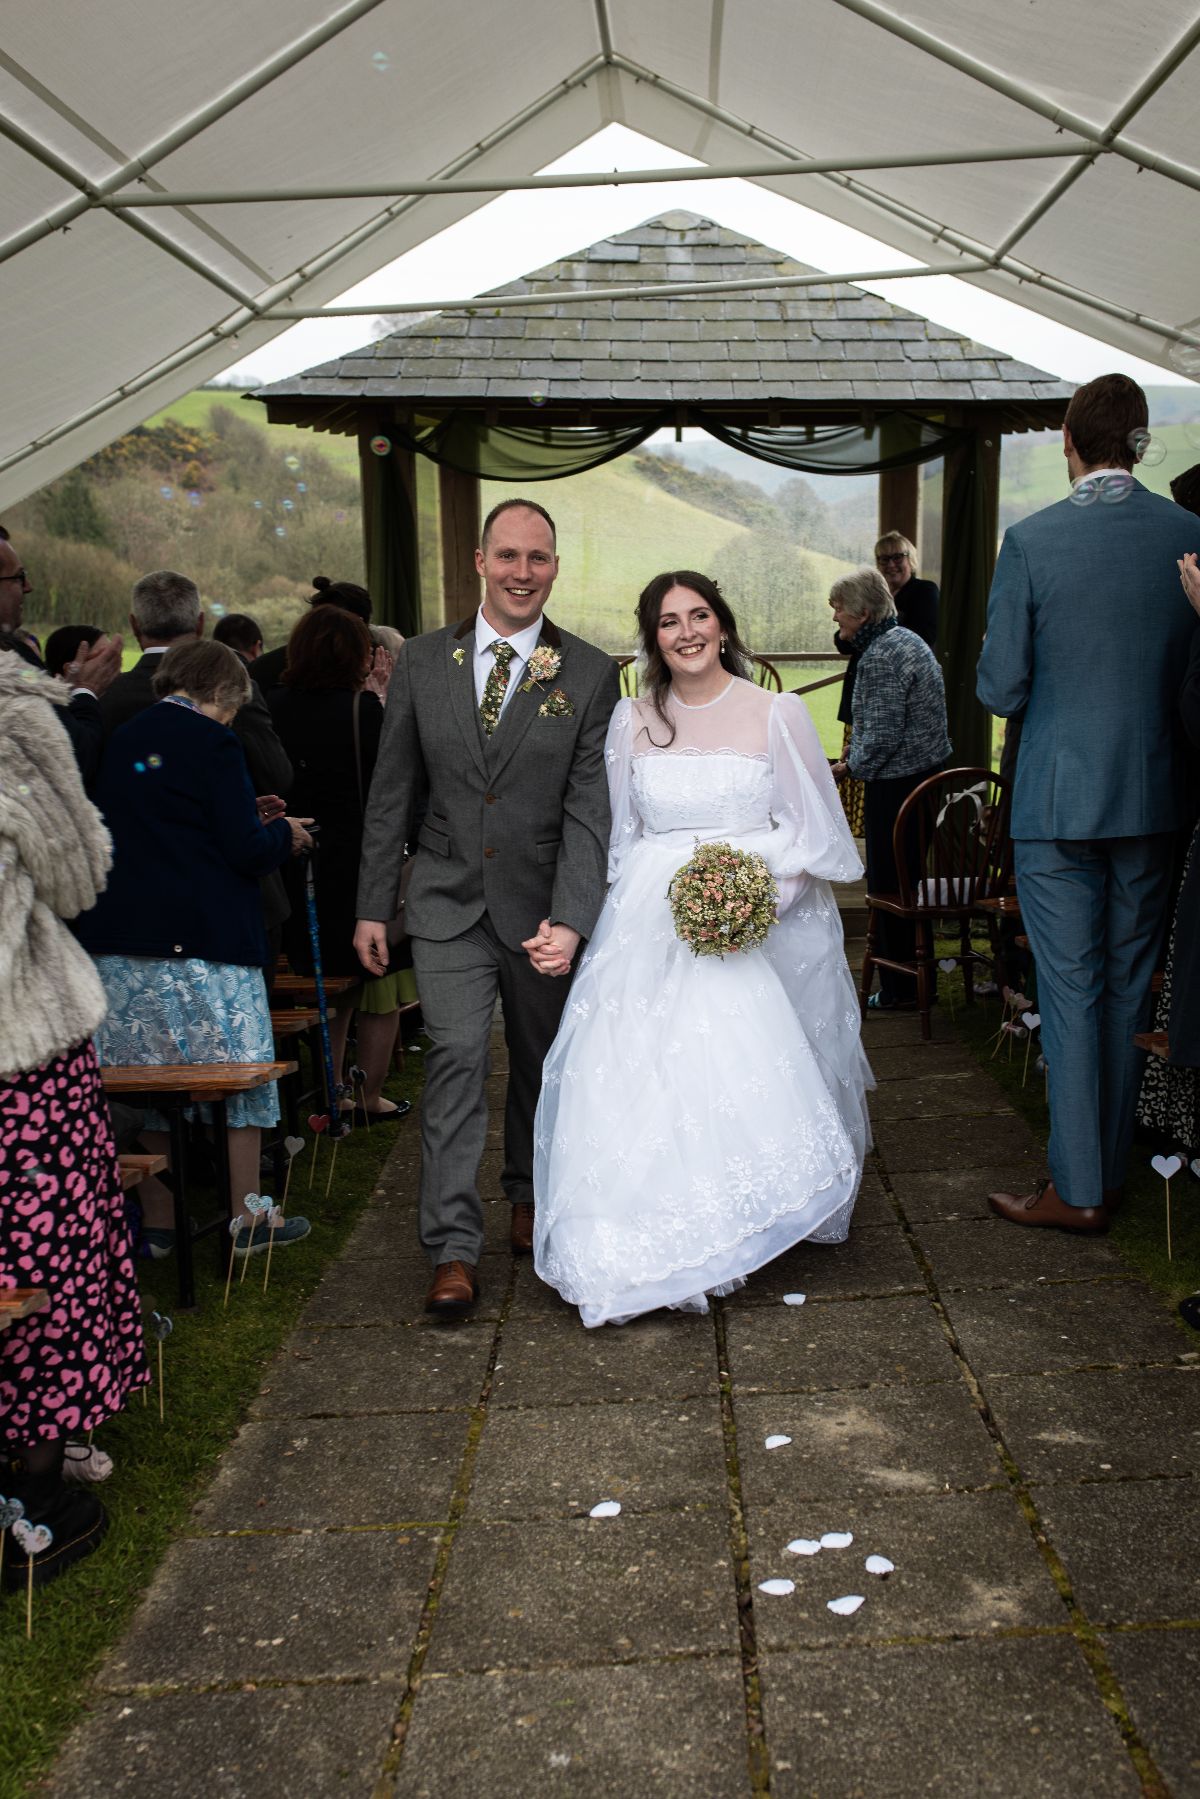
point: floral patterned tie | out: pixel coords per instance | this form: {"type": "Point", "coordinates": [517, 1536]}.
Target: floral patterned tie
{"type": "Point", "coordinates": [496, 684]}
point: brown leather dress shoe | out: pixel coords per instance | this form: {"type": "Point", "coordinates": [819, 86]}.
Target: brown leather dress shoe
{"type": "Point", "coordinates": [521, 1234]}
{"type": "Point", "coordinates": [1044, 1207]}
{"type": "Point", "coordinates": [454, 1291]}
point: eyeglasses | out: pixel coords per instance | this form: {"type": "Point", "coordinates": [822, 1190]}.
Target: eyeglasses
{"type": "Point", "coordinates": [900, 556]}
{"type": "Point", "coordinates": [17, 575]}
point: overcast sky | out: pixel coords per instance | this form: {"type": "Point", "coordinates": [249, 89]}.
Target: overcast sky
{"type": "Point", "coordinates": [515, 233]}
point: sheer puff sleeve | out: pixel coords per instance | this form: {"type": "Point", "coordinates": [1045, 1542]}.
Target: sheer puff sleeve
{"type": "Point", "coordinates": [618, 761]}
{"type": "Point", "coordinates": [815, 837]}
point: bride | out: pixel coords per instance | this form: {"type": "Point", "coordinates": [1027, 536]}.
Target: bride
{"type": "Point", "coordinates": [700, 1116]}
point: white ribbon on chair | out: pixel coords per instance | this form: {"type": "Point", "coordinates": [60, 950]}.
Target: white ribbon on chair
{"type": "Point", "coordinates": [975, 794]}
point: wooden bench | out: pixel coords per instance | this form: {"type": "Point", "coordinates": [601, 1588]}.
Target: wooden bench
{"type": "Point", "coordinates": [172, 1086]}
{"type": "Point", "coordinates": [301, 989]}
{"type": "Point", "coordinates": [136, 1169]}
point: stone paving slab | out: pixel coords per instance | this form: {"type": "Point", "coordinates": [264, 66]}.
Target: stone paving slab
{"type": "Point", "coordinates": [561, 1462]}
{"type": "Point", "coordinates": [963, 1092]}
{"type": "Point", "coordinates": [875, 1261]}
{"type": "Point", "coordinates": [273, 1743]}
{"type": "Point", "coordinates": [1095, 1426]}
{"type": "Point", "coordinates": [929, 1194]}
{"type": "Point", "coordinates": [873, 1205]}
{"type": "Point", "coordinates": [587, 1590]}
{"type": "Point", "coordinates": [1132, 1548]}
{"type": "Point", "coordinates": [993, 1719]}
{"type": "Point", "coordinates": [555, 1361]}
{"type": "Point", "coordinates": [675, 1728]}
{"type": "Point", "coordinates": [966, 1565]}
{"type": "Point", "coordinates": [1000, 1139]}
{"type": "Point", "coordinates": [920, 1062]}
{"type": "Point", "coordinates": [1097, 1324]}
{"type": "Point", "coordinates": [278, 1608]}
{"type": "Point", "coordinates": [889, 1440]}
{"type": "Point", "coordinates": [811, 1348]}
{"type": "Point", "coordinates": [387, 1231]}
{"type": "Point", "coordinates": [301, 1474]}
{"type": "Point", "coordinates": [403, 1369]}
{"type": "Point", "coordinates": [990, 1253]}
{"type": "Point", "coordinates": [386, 1291]}
{"type": "Point", "coordinates": [1159, 1671]}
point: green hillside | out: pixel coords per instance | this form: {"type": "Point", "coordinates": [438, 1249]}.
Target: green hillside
{"type": "Point", "coordinates": [195, 409]}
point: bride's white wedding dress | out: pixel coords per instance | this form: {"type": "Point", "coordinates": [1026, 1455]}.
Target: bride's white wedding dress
{"type": "Point", "coordinates": [698, 1116]}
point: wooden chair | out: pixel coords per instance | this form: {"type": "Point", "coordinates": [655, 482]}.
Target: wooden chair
{"type": "Point", "coordinates": [767, 675]}
{"type": "Point", "coordinates": [628, 670]}
{"type": "Point", "coordinates": [21, 1302]}
{"type": "Point", "coordinates": [953, 829]}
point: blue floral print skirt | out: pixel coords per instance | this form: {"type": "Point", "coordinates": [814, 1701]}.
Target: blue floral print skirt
{"type": "Point", "coordinates": [189, 1011]}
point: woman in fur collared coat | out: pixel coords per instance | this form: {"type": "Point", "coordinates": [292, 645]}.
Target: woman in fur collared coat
{"type": "Point", "coordinates": [62, 1219]}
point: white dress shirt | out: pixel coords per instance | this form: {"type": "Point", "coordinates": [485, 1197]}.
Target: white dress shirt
{"type": "Point", "coordinates": [524, 643]}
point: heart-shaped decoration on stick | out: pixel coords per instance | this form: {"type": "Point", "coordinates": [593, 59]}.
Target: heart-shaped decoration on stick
{"type": "Point", "coordinates": [1195, 1167]}
{"type": "Point", "coordinates": [258, 1205]}
{"type": "Point", "coordinates": [1167, 1166]}
{"type": "Point", "coordinates": [947, 964]}
{"type": "Point", "coordinates": [160, 1329]}
{"type": "Point", "coordinates": [34, 1539]}
{"type": "Point", "coordinates": [293, 1146]}
{"type": "Point", "coordinates": [1032, 1020]}
{"type": "Point", "coordinates": [11, 1510]}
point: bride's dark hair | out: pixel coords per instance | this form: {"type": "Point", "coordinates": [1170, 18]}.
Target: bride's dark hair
{"type": "Point", "coordinates": [734, 655]}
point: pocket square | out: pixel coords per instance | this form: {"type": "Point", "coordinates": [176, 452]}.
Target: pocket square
{"type": "Point", "coordinates": [556, 705]}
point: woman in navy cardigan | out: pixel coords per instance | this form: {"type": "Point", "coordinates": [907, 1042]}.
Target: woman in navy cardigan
{"type": "Point", "coordinates": [178, 936]}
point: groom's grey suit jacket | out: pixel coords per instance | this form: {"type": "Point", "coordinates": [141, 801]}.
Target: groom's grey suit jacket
{"type": "Point", "coordinates": [515, 825]}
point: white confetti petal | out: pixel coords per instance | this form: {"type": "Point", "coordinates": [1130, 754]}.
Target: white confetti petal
{"type": "Point", "coordinates": [794, 1299]}
{"type": "Point", "coordinates": [775, 1442]}
{"type": "Point", "coordinates": [879, 1564]}
{"type": "Point", "coordinates": [607, 1508]}
{"type": "Point", "coordinates": [777, 1588]}
{"type": "Point", "coordinates": [837, 1539]}
{"type": "Point", "coordinates": [804, 1546]}
{"type": "Point", "coordinates": [846, 1606]}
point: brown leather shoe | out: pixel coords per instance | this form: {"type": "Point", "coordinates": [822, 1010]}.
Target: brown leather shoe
{"type": "Point", "coordinates": [521, 1234]}
{"type": "Point", "coordinates": [1044, 1207]}
{"type": "Point", "coordinates": [454, 1291]}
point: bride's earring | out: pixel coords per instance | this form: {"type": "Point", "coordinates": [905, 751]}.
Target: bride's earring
{"type": "Point", "coordinates": [723, 643]}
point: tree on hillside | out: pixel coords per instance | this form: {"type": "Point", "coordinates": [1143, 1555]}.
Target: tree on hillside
{"type": "Point", "coordinates": [742, 501]}
{"type": "Point", "coordinates": [774, 590]}
{"type": "Point", "coordinates": [69, 509]}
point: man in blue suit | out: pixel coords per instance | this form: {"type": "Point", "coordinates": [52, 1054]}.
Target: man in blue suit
{"type": "Point", "coordinates": [1087, 635]}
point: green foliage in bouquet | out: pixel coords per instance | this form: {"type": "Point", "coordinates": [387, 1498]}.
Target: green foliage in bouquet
{"type": "Point", "coordinates": [723, 900]}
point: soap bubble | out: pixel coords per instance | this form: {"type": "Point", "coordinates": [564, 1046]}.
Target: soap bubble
{"type": "Point", "coordinates": [288, 505]}
{"type": "Point", "coordinates": [168, 493]}
{"type": "Point", "coordinates": [139, 768]}
{"type": "Point", "coordinates": [381, 62]}
{"type": "Point", "coordinates": [1085, 491]}
{"type": "Point", "coordinates": [1146, 449]}
{"type": "Point", "coordinates": [537, 398]}
{"type": "Point", "coordinates": [153, 761]}
{"type": "Point", "coordinates": [217, 610]}
{"type": "Point", "coordinates": [1185, 357]}
{"type": "Point", "coordinates": [279, 531]}
{"type": "Point", "coordinates": [258, 505]}
{"type": "Point", "coordinates": [1116, 487]}
{"type": "Point", "coordinates": [340, 518]}
{"type": "Point", "coordinates": [302, 487]}
{"type": "Point", "coordinates": [381, 445]}
{"type": "Point", "coordinates": [195, 497]}
{"type": "Point", "coordinates": [292, 463]}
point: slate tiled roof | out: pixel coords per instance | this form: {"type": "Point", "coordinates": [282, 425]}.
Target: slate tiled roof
{"type": "Point", "coordinates": [832, 344]}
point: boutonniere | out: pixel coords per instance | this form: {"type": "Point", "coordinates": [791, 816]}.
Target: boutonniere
{"type": "Point", "coordinates": [542, 666]}
{"type": "Point", "coordinates": [556, 705]}
{"type": "Point", "coordinates": [459, 655]}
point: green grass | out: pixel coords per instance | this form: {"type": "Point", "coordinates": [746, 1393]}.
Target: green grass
{"type": "Point", "coordinates": [213, 1363]}
{"type": "Point", "coordinates": [194, 409]}
{"type": "Point", "coordinates": [1139, 1229]}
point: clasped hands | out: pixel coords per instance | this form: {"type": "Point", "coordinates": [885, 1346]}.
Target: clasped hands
{"type": "Point", "coordinates": [552, 949]}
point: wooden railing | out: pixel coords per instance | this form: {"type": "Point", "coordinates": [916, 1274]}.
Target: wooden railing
{"type": "Point", "coordinates": [779, 659]}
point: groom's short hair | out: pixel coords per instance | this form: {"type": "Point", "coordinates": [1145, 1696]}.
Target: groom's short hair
{"type": "Point", "coordinates": [514, 506]}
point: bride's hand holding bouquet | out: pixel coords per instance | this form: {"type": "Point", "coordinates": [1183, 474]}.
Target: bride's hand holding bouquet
{"type": "Point", "coordinates": [723, 900]}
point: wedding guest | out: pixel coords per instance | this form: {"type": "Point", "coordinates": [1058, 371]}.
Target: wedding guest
{"type": "Point", "coordinates": [1088, 636]}
{"type": "Point", "coordinates": [699, 1118]}
{"type": "Point", "coordinates": [64, 645]}
{"type": "Point", "coordinates": [346, 594]}
{"type": "Point", "coordinates": [329, 720]}
{"type": "Point", "coordinates": [1169, 1104]}
{"type": "Point", "coordinates": [178, 936]}
{"type": "Point", "coordinates": [916, 604]}
{"type": "Point", "coordinates": [92, 672]}
{"type": "Point", "coordinates": [241, 633]}
{"type": "Point", "coordinates": [64, 1370]}
{"type": "Point", "coordinates": [898, 738]}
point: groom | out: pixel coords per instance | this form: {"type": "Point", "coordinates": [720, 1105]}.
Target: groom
{"type": "Point", "coordinates": [491, 769]}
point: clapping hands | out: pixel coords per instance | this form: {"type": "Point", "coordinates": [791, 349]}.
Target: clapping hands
{"type": "Point", "coordinates": [382, 664]}
{"type": "Point", "coordinates": [552, 949]}
{"type": "Point", "coordinates": [96, 667]}
{"type": "Point", "coordinates": [1189, 574]}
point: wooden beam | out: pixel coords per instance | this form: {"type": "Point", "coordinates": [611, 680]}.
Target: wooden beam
{"type": "Point", "coordinates": [459, 496]}
{"type": "Point", "coordinates": [900, 502]}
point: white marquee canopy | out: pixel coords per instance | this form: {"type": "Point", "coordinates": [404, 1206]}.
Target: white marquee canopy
{"type": "Point", "coordinates": [179, 183]}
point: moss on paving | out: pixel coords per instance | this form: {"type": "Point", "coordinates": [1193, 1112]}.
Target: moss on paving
{"type": "Point", "coordinates": [213, 1363]}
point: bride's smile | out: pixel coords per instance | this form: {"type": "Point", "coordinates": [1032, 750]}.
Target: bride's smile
{"type": "Point", "coordinates": [689, 640]}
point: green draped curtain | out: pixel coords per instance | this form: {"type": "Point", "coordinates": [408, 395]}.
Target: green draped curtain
{"type": "Point", "coordinates": [970, 516]}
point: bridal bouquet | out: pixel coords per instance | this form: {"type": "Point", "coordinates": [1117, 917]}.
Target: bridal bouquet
{"type": "Point", "coordinates": [722, 900]}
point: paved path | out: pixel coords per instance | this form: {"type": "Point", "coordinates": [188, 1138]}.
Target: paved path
{"type": "Point", "coordinates": [393, 1585]}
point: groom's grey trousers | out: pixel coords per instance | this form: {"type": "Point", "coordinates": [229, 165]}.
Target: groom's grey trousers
{"type": "Point", "coordinates": [458, 982]}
